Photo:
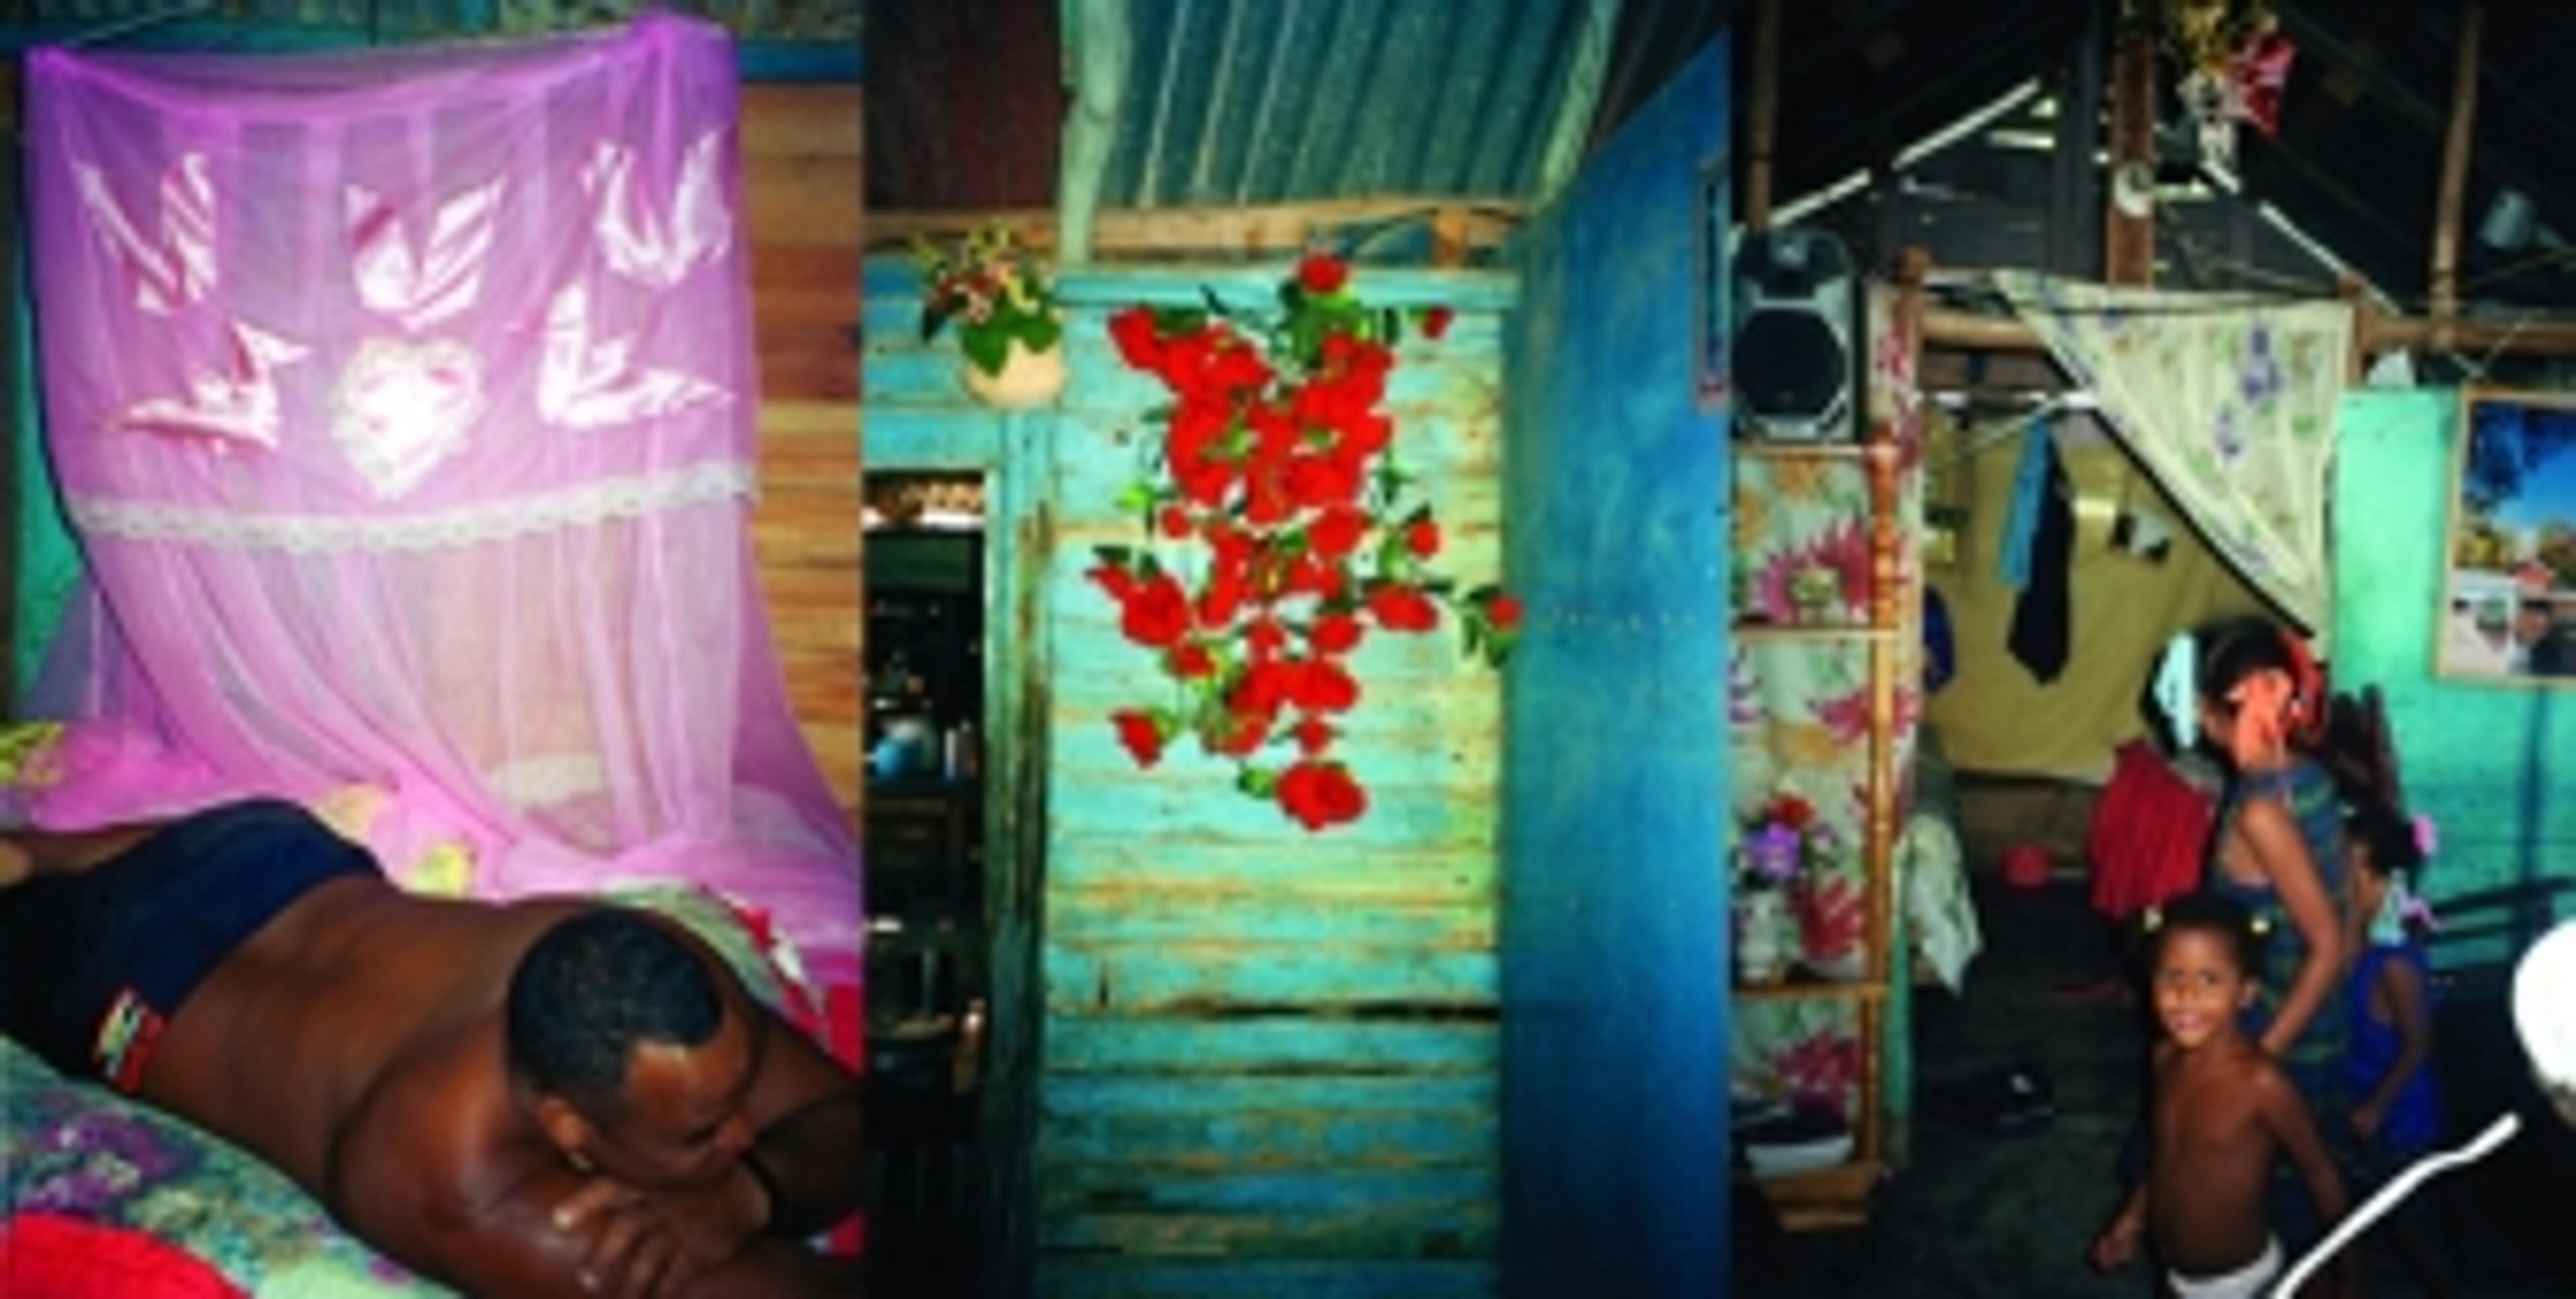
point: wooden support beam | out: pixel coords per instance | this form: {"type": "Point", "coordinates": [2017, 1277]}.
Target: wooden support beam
{"type": "Point", "coordinates": [2455, 174]}
{"type": "Point", "coordinates": [2075, 182]}
{"type": "Point", "coordinates": [1166, 232]}
{"type": "Point", "coordinates": [1449, 238]}
{"type": "Point", "coordinates": [1762, 117]}
{"type": "Point", "coordinates": [2129, 231]}
{"type": "Point", "coordinates": [2355, 292]}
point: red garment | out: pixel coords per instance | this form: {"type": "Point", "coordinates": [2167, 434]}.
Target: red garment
{"type": "Point", "coordinates": [50, 1256]}
{"type": "Point", "coordinates": [2148, 834]}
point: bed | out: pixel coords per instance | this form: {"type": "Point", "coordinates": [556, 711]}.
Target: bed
{"type": "Point", "coordinates": [89, 1175]}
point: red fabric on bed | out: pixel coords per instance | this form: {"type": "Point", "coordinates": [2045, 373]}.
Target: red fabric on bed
{"type": "Point", "coordinates": [50, 1256]}
{"type": "Point", "coordinates": [2148, 834]}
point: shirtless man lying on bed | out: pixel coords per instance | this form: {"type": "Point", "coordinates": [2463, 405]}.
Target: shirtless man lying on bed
{"type": "Point", "coordinates": [549, 1098]}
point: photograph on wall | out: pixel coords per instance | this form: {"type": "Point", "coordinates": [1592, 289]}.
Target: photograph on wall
{"type": "Point", "coordinates": [2509, 586]}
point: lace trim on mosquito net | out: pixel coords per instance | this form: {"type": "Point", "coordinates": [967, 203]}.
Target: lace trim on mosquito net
{"type": "Point", "coordinates": [620, 498]}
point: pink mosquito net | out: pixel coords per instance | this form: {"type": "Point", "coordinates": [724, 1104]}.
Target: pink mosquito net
{"type": "Point", "coordinates": [402, 403]}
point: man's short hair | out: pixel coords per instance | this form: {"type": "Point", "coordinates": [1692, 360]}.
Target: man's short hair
{"type": "Point", "coordinates": [595, 987]}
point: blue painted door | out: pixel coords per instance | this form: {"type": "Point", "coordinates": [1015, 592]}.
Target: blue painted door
{"type": "Point", "coordinates": [1613, 933]}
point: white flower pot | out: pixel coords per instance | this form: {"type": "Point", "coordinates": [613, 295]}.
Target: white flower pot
{"type": "Point", "coordinates": [1026, 378]}
{"type": "Point", "coordinates": [1761, 922]}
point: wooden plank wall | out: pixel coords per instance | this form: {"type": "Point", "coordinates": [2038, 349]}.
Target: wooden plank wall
{"type": "Point", "coordinates": [801, 183]}
{"type": "Point", "coordinates": [1269, 1057]}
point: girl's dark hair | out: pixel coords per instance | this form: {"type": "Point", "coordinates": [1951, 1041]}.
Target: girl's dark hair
{"type": "Point", "coordinates": [2208, 913]}
{"type": "Point", "coordinates": [2233, 649]}
{"type": "Point", "coordinates": [2386, 836]}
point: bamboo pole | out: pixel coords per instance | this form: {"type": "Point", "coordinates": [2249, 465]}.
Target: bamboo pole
{"type": "Point", "coordinates": [1762, 117]}
{"type": "Point", "coordinates": [1887, 593]}
{"type": "Point", "coordinates": [1951, 328]}
{"type": "Point", "coordinates": [2455, 175]}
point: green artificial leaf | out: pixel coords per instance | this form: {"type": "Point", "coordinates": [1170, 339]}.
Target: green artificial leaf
{"type": "Point", "coordinates": [1040, 332]}
{"type": "Point", "coordinates": [1390, 326]}
{"type": "Point", "coordinates": [987, 348]}
{"type": "Point", "coordinates": [1260, 782]}
{"type": "Point", "coordinates": [1180, 320]}
{"type": "Point", "coordinates": [1306, 339]}
{"type": "Point", "coordinates": [1115, 556]}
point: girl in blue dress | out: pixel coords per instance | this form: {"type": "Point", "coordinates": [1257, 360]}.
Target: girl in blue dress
{"type": "Point", "coordinates": [2397, 1116]}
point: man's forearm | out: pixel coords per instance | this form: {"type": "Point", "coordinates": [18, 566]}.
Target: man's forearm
{"type": "Point", "coordinates": [778, 1269]}
{"type": "Point", "coordinates": [809, 1162]}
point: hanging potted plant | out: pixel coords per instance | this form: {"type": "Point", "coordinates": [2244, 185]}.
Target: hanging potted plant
{"type": "Point", "coordinates": [1010, 333]}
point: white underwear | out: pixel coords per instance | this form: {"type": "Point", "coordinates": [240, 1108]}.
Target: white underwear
{"type": "Point", "coordinates": [2246, 1282]}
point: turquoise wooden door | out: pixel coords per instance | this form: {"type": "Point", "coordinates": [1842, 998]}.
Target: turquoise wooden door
{"type": "Point", "coordinates": [1613, 928]}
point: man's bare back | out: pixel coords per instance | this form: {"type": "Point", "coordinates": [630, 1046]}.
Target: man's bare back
{"type": "Point", "coordinates": [344, 993]}
{"type": "Point", "coordinates": [358, 1040]}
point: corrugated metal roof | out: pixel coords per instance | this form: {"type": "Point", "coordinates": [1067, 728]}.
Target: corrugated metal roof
{"type": "Point", "coordinates": [1256, 101]}
{"type": "Point", "coordinates": [1226, 102]}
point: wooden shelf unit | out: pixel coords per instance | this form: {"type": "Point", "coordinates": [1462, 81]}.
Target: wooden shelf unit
{"type": "Point", "coordinates": [1839, 1197]}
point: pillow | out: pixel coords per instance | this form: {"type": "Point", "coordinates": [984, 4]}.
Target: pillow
{"type": "Point", "coordinates": [51, 1256]}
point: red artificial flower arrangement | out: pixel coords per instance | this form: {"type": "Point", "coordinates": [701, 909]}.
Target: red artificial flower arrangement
{"type": "Point", "coordinates": [1275, 477]}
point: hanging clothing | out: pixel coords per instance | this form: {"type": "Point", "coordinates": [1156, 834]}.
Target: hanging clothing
{"type": "Point", "coordinates": [2148, 833]}
{"type": "Point", "coordinates": [2042, 632]}
{"type": "Point", "coordinates": [2030, 496]}
{"type": "Point", "coordinates": [2231, 407]}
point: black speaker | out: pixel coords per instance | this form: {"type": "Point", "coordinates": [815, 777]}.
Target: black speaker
{"type": "Point", "coordinates": [1797, 308]}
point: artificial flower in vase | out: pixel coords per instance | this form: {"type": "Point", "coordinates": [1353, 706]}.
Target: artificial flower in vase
{"type": "Point", "coordinates": [1769, 859]}
{"type": "Point", "coordinates": [1278, 532]}
{"type": "Point", "coordinates": [1010, 332]}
